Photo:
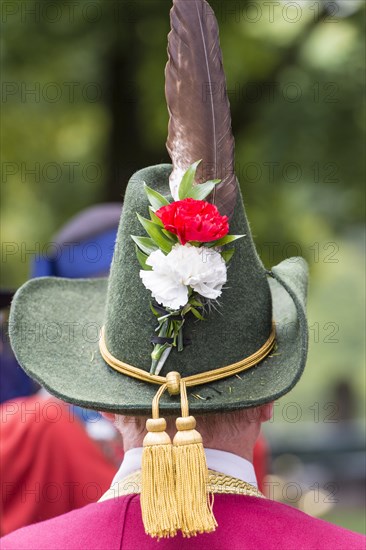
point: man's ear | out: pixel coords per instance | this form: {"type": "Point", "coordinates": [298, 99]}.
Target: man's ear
{"type": "Point", "coordinates": [266, 412]}
{"type": "Point", "coordinates": [108, 416]}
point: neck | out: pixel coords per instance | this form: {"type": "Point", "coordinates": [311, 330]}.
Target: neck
{"type": "Point", "coordinates": [239, 446]}
{"type": "Point", "coordinates": [237, 436]}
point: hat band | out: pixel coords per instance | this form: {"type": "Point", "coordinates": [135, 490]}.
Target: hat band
{"type": "Point", "coordinates": [195, 379]}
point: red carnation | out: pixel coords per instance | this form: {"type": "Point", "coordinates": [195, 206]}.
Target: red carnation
{"type": "Point", "coordinates": [193, 220]}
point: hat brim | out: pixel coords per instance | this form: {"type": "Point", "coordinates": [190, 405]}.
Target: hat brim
{"type": "Point", "coordinates": [54, 328]}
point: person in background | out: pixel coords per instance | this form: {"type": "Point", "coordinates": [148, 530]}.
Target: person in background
{"type": "Point", "coordinates": [55, 479]}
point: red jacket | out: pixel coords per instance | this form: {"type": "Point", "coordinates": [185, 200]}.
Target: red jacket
{"type": "Point", "coordinates": [49, 464]}
{"type": "Point", "coordinates": [244, 523]}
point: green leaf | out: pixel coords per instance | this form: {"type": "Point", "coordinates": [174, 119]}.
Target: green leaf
{"type": "Point", "coordinates": [170, 235]}
{"type": "Point", "coordinates": [197, 314]}
{"type": "Point", "coordinates": [187, 182]}
{"type": "Point", "coordinates": [225, 240]}
{"type": "Point", "coordinates": [194, 302]}
{"type": "Point", "coordinates": [142, 259]}
{"type": "Point", "coordinates": [228, 254]}
{"type": "Point", "coordinates": [155, 232]}
{"type": "Point", "coordinates": [155, 218]}
{"type": "Point", "coordinates": [180, 339]}
{"type": "Point", "coordinates": [201, 190]}
{"type": "Point", "coordinates": [154, 310]}
{"type": "Point", "coordinates": [155, 199]}
{"type": "Point", "coordinates": [145, 244]}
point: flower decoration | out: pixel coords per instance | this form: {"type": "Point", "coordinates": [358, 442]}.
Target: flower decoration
{"type": "Point", "coordinates": [193, 220]}
{"type": "Point", "coordinates": [184, 264]}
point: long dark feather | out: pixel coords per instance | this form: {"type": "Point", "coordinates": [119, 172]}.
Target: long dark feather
{"type": "Point", "coordinates": [199, 110]}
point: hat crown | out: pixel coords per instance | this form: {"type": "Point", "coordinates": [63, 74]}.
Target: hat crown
{"type": "Point", "coordinates": [236, 328]}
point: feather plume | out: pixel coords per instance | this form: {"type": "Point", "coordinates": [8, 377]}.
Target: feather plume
{"type": "Point", "coordinates": [199, 110]}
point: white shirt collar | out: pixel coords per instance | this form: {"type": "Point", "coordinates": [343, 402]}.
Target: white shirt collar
{"type": "Point", "coordinates": [220, 461]}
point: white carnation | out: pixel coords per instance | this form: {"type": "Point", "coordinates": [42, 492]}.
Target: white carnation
{"type": "Point", "coordinates": [203, 269]}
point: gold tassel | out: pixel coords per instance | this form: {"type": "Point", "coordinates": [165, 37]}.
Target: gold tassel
{"type": "Point", "coordinates": [193, 503]}
{"type": "Point", "coordinates": [158, 503]}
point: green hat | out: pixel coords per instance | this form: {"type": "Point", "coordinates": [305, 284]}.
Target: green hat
{"type": "Point", "coordinates": [55, 323]}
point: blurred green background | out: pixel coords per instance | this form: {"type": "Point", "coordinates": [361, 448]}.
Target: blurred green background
{"type": "Point", "coordinates": [83, 107]}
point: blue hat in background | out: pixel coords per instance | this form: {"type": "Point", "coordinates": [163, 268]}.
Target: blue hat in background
{"type": "Point", "coordinates": [83, 247]}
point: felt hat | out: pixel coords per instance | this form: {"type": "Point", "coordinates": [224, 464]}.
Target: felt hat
{"type": "Point", "coordinates": [55, 322]}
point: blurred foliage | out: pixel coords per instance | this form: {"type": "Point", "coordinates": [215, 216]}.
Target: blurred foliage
{"type": "Point", "coordinates": [353, 519]}
{"type": "Point", "coordinates": [97, 113]}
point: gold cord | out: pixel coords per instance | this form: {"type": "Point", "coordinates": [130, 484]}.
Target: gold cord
{"type": "Point", "coordinates": [195, 379]}
{"type": "Point", "coordinates": [184, 399]}
{"type": "Point", "coordinates": [155, 402]}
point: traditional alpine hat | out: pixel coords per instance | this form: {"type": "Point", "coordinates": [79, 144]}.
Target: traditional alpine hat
{"type": "Point", "coordinates": [137, 340]}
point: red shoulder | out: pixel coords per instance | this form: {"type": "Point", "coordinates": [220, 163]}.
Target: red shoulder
{"type": "Point", "coordinates": [97, 526]}
{"type": "Point", "coordinates": [272, 525]}
{"type": "Point", "coordinates": [248, 523]}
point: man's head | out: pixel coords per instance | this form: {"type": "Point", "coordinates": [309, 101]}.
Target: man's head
{"type": "Point", "coordinates": [234, 432]}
